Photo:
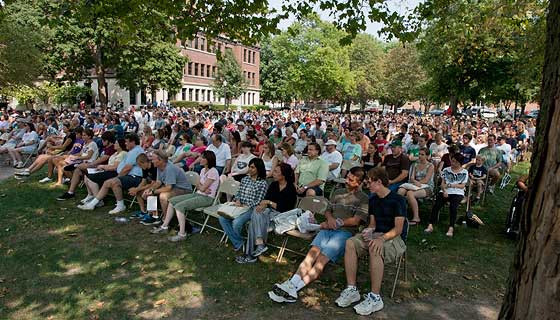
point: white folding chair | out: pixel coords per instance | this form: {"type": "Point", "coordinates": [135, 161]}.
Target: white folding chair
{"type": "Point", "coordinates": [402, 259]}
{"type": "Point", "coordinates": [193, 179]}
{"type": "Point", "coordinates": [227, 187]}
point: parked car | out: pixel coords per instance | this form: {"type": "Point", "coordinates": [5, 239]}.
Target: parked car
{"type": "Point", "coordinates": [488, 113]}
{"type": "Point", "coordinates": [335, 109]}
{"type": "Point", "coordinates": [534, 114]}
{"type": "Point", "coordinates": [436, 112]}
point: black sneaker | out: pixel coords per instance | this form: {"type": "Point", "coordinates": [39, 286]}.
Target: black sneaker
{"type": "Point", "coordinates": [245, 259]}
{"type": "Point", "coordinates": [66, 196]}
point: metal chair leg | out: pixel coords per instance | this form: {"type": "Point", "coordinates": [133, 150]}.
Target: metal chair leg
{"type": "Point", "coordinates": [282, 249]}
{"type": "Point", "coordinates": [204, 224]}
{"type": "Point", "coordinates": [396, 276]}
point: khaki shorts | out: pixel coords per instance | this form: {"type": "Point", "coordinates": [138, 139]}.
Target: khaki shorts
{"type": "Point", "coordinates": [392, 249]}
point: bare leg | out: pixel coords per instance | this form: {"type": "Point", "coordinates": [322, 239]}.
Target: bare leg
{"type": "Point", "coordinates": [350, 263]}
{"type": "Point", "coordinates": [376, 271]}
{"type": "Point", "coordinates": [76, 177]}
{"type": "Point", "coordinates": [117, 189]}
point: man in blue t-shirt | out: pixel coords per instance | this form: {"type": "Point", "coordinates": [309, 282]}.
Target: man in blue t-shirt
{"type": "Point", "coordinates": [467, 151]}
{"type": "Point", "coordinates": [381, 240]}
{"type": "Point", "coordinates": [129, 175]}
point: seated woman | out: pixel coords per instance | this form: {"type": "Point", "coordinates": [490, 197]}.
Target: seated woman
{"type": "Point", "coordinates": [240, 165]}
{"type": "Point", "coordinates": [280, 197]}
{"type": "Point", "coordinates": [251, 192]}
{"type": "Point", "coordinates": [422, 176]}
{"type": "Point", "coordinates": [147, 138]}
{"type": "Point", "coordinates": [204, 196]}
{"type": "Point", "coordinates": [288, 155]}
{"type": "Point", "coordinates": [159, 142]}
{"type": "Point", "coordinates": [191, 156]}
{"type": "Point", "coordinates": [269, 158]}
{"type": "Point", "coordinates": [77, 145]}
{"type": "Point", "coordinates": [94, 181]}
{"type": "Point", "coordinates": [183, 147]}
{"type": "Point", "coordinates": [89, 153]}
{"type": "Point", "coordinates": [28, 144]}
{"type": "Point", "coordinates": [50, 152]}
{"type": "Point", "coordinates": [454, 180]}
{"type": "Point", "coordinates": [372, 157]}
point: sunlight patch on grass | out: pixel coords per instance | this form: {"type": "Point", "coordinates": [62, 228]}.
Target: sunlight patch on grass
{"type": "Point", "coordinates": [70, 230]}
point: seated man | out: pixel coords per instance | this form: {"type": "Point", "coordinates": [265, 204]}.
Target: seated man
{"type": "Point", "coordinates": [381, 239]}
{"type": "Point", "coordinates": [129, 175]}
{"type": "Point", "coordinates": [170, 181]}
{"type": "Point", "coordinates": [348, 208]}
{"type": "Point", "coordinates": [333, 158]}
{"type": "Point", "coordinates": [149, 178]}
{"type": "Point", "coordinates": [311, 172]}
{"type": "Point", "coordinates": [493, 161]}
{"type": "Point", "coordinates": [396, 165]}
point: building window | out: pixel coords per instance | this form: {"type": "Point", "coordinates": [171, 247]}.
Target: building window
{"type": "Point", "coordinates": [254, 57]}
{"type": "Point", "coordinates": [195, 45]}
{"type": "Point", "coordinates": [244, 55]}
{"type": "Point", "coordinates": [142, 97]}
{"type": "Point", "coordinates": [132, 97]}
{"type": "Point", "coordinates": [219, 47]}
{"type": "Point", "coordinates": [248, 59]}
{"type": "Point", "coordinates": [196, 69]}
{"type": "Point", "coordinates": [254, 94]}
{"type": "Point", "coordinates": [190, 69]}
{"type": "Point", "coordinates": [190, 94]}
{"type": "Point", "coordinates": [213, 71]}
{"type": "Point", "coordinates": [253, 78]}
{"type": "Point", "coordinates": [202, 70]}
{"type": "Point", "coordinates": [196, 94]}
{"type": "Point", "coordinates": [202, 94]}
{"type": "Point", "coordinates": [208, 71]}
{"type": "Point", "coordinates": [202, 44]}
{"type": "Point", "coordinates": [208, 95]}
{"type": "Point", "coordinates": [184, 94]}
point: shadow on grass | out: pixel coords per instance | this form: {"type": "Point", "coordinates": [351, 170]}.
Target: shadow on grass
{"type": "Point", "coordinates": [61, 263]}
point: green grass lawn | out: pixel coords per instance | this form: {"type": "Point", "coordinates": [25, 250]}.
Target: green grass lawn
{"type": "Point", "coordinates": [58, 262]}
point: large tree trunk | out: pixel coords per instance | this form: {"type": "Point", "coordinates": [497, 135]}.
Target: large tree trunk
{"type": "Point", "coordinates": [100, 73]}
{"type": "Point", "coordinates": [534, 285]}
{"type": "Point", "coordinates": [453, 105]}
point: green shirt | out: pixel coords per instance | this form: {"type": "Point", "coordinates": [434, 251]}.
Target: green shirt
{"type": "Point", "coordinates": [311, 170]}
{"type": "Point", "coordinates": [492, 155]}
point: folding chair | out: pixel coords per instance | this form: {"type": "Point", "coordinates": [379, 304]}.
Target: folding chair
{"type": "Point", "coordinates": [34, 153]}
{"type": "Point", "coordinates": [227, 187]}
{"type": "Point", "coordinates": [317, 205]}
{"type": "Point", "coordinates": [402, 259]}
{"type": "Point", "coordinates": [193, 179]}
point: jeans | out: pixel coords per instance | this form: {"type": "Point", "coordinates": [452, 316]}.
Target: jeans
{"type": "Point", "coordinates": [258, 228]}
{"type": "Point", "coordinates": [234, 228]}
{"type": "Point", "coordinates": [395, 186]}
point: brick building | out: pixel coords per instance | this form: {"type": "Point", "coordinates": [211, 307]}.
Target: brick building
{"type": "Point", "coordinates": [198, 75]}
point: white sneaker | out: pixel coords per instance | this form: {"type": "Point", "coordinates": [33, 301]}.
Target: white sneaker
{"type": "Point", "coordinates": [65, 180]}
{"type": "Point", "coordinates": [283, 292]}
{"type": "Point", "coordinates": [22, 173]}
{"type": "Point", "coordinates": [347, 297]}
{"type": "Point", "coordinates": [87, 199]}
{"type": "Point", "coordinates": [45, 180]}
{"type": "Point", "coordinates": [369, 305]}
{"type": "Point", "coordinates": [88, 206]}
{"type": "Point", "coordinates": [19, 165]}
{"type": "Point", "coordinates": [118, 209]}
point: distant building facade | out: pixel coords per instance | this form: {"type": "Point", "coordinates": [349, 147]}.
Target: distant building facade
{"type": "Point", "coordinates": [198, 75]}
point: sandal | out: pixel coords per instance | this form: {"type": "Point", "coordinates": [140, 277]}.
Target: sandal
{"type": "Point", "coordinates": [414, 222]}
{"type": "Point", "coordinates": [428, 230]}
{"type": "Point", "coordinates": [450, 233]}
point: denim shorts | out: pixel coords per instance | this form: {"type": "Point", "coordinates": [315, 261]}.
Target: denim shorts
{"type": "Point", "coordinates": [332, 243]}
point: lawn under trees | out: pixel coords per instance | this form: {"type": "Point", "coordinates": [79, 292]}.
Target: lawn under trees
{"type": "Point", "coordinates": [58, 262]}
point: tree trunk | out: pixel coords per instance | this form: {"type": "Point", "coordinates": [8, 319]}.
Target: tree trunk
{"type": "Point", "coordinates": [534, 285]}
{"type": "Point", "coordinates": [100, 73]}
{"type": "Point", "coordinates": [453, 105]}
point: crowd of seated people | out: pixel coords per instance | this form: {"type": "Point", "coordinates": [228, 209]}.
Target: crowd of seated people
{"type": "Point", "coordinates": [277, 157]}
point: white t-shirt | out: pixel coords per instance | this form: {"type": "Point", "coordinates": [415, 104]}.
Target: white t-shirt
{"type": "Point", "coordinates": [30, 136]}
{"type": "Point", "coordinates": [223, 153]}
{"type": "Point", "coordinates": [455, 178]}
{"type": "Point", "coordinates": [333, 157]}
{"type": "Point", "coordinates": [91, 146]}
{"type": "Point", "coordinates": [242, 163]}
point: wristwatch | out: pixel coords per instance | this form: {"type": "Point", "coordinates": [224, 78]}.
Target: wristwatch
{"type": "Point", "coordinates": [305, 187]}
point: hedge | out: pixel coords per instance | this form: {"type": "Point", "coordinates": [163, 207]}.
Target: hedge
{"type": "Point", "coordinates": [214, 107]}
